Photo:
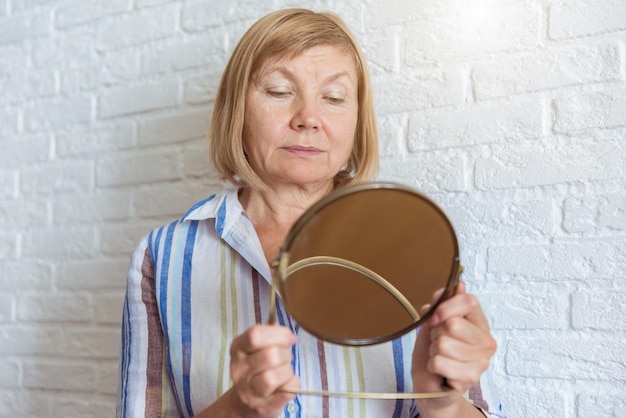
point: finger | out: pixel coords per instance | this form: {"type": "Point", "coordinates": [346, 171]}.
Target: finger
{"type": "Point", "coordinates": [461, 305]}
{"type": "Point", "coordinates": [462, 329]}
{"type": "Point", "coordinates": [245, 366]}
{"type": "Point", "coordinates": [262, 336]}
{"type": "Point", "coordinates": [464, 348]}
{"type": "Point", "coordinates": [438, 296]}
{"type": "Point", "coordinates": [459, 375]}
{"type": "Point", "coordinates": [267, 382]}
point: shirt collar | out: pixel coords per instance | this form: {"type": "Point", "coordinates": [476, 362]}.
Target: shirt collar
{"type": "Point", "coordinates": [209, 208]}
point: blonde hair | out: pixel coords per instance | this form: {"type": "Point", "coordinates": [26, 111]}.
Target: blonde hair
{"type": "Point", "coordinates": [288, 32]}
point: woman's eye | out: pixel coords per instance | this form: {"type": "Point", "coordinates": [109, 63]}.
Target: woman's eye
{"type": "Point", "coordinates": [334, 99]}
{"type": "Point", "coordinates": [278, 93]}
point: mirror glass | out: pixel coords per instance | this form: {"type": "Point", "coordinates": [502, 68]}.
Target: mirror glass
{"type": "Point", "coordinates": [357, 267]}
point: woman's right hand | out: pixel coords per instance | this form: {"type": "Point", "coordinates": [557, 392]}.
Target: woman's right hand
{"type": "Point", "coordinates": [260, 364]}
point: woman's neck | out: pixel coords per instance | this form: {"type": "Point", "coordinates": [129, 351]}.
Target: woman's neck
{"type": "Point", "coordinates": [273, 212]}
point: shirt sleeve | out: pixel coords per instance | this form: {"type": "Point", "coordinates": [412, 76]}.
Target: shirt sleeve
{"type": "Point", "coordinates": [144, 388]}
{"type": "Point", "coordinates": [485, 397]}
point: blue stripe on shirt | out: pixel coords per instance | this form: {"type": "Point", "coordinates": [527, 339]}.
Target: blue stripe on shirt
{"type": "Point", "coordinates": [163, 293]}
{"type": "Point", "coordinates": [186, 313]}
{"type": "Point", "coordinates": [196, 206]}
{"type": "Point", "coordinates": [221, 217]}
{"type": "Point", "coordinates": [126, 338]}
{"type": "Point", "coordinates": [399, 366]}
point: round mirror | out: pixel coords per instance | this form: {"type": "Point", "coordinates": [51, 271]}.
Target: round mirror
{"type": "Point", "coordinates": [357, 267]}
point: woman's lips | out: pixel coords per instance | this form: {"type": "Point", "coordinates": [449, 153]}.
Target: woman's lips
{"type": "Point", "coordinates": [302, 150]}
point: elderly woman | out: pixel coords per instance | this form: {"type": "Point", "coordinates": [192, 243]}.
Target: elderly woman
{"type": "Point", "coordinates": [293, 120]}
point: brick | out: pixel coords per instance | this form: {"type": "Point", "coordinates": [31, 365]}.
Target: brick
{"type": "Point", "coordinates": [553, 68]}
{"type": "Point", "coordinates": [595, 213]}
{"type": "Point", "coordinates": [84, 141]}
{"type": "Point", "coordinates": [13, 58]}
{"type": "Point", "coordinates": [85, 208]}
{"type": "Point", "coordinates": [8, 184]}
{"type": "Point", "coordinates": [9, 120]}
{"type": "Point", "coordinates": [611, 404]}
{"type": "Point", "coordinates": [67, 307]}
{"type": "Point", "coordinates": [137, 28]}
{"type": "Point", "coordinates": [393, 144]}
{"type": "Point", "coordinates": [169, 200]}
{"type": "Point", "coordinates": [414, 90]}
{"type": "Point", "coordinates": [115, 68]}
{"type": "Point", "coordinates": [599, 309]}
{"type": "Point", "coordinates": [138, 99]}
{"type": "Point", "coordinates": [57, 113]}
{"type": "Point", "coordinates": [480, 32]}
{"type": "Point", "coordinates": [107, 308]}
{"type": "Point", "coordinates": [9, 374]}
{"type": "Point", "coordinates": [84, 406]}
{"type": "Point", "coordinates": [149, 3]}
{"type": "Point", "coordinates": [27, 85]}
{"type": "Point", "coordinates": [26, 275]}
{"type": "Point", "coordinates": [381, 47]}
{"type": "Point", "coordinates": [202, 89]}
{"type": "Point", "coordinates": [58, 177]}
{"type": "Point", "coordinates": [26, 5]}
{"type": "Point", "coordinates": [29, 340]}
{"type": "Point", "coordinates": [489, 218]}
{"type": "Point", "coordinates": [7, 303]}
{"type": "Point", "coordinates": [476, 124]}
{"type": "Point", "coordinates": [24, 213]}
{"type": "Point", "coordinates": [8, 245]}
{"type": "Point", "coordinates": [85, 11]}
{"type": "Point", "coordinates": [532, 164]}
{"type": "Point", "coordinates": [196, 162]}
{"type": "Point", "coordinates": [566, 357]}
{"type": "Point", "coordinates": [429, 171]}
{"type": "Point", "coordinates": [121, 240]}
{"type": "Point", "coordinates": [200, 16]}
{"type": "Point", "coordinates": [178, 127]}
{"type": "Point", "coordinates": [558, 261]}
{"type": "Point", "coordinates": [59, 376]}
{"type": "Point", "coordinates": [93, 343]}
{"type": "Point", "coordinates": [532, 306]}
{"type": "Point", "coordinates": [602, 108]}
{"type": "Point", "coordinates": [26, 150]}
{"type": "Point", "coordinates": [207, 52]}
{"type": "Point", "coordinates": [24, 27]}
{"type": "Point", "coordinates": [95, 275]}
{"type": "Point", "coordinates": [78, 80]}
{"type": "Point", "coordinates": [138, 168]}
{"type": "Point", "coordinates": [59, 243]}
{"type": "Point", "coordinates": [21, 403]}
{"type": "Point", "coordinates": [108, 377]}
{"type": "Point", "coordinates": [66, 51]}
{"type": "Point", "coordinates": [538, 400]}
{"type": "Point", "coordinates": [394, 12]}
{"type": "Point", "coordinates": [571, 19]}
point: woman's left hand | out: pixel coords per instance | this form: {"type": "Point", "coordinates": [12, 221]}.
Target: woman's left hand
{"type": "Point", "coordinates": [454, 343]}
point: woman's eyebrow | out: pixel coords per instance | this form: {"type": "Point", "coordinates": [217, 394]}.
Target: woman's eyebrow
{"type": "Point", "coordinates": [284, 70]}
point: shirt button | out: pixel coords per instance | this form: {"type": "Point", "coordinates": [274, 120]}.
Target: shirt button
{"type": "Point", "coordinates": [292, 408]}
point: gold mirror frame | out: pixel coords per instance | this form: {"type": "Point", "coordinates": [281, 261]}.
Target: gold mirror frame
{"type": "Point", "coordinates": [323, 249]}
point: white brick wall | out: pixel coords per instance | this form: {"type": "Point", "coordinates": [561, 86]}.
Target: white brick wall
{"type": "Point", "coordinates": [510, 113]}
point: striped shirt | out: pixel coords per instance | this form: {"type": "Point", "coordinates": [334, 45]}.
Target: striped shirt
{"type": "Point", "coordinates": [196, 284]}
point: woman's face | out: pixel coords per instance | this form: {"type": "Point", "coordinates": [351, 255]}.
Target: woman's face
{"type": "Point", "coordinates": [300, 117]}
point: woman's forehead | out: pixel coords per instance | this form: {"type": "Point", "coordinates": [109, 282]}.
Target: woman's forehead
{"type": "Point", "coordinates": [283, 61]}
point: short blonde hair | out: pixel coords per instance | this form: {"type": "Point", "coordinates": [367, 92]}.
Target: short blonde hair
{"type": "Point", "coordinates": [288, 32]}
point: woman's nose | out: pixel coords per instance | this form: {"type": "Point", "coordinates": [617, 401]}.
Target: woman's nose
{"type": "Point", "coordinates": [306, 115]}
